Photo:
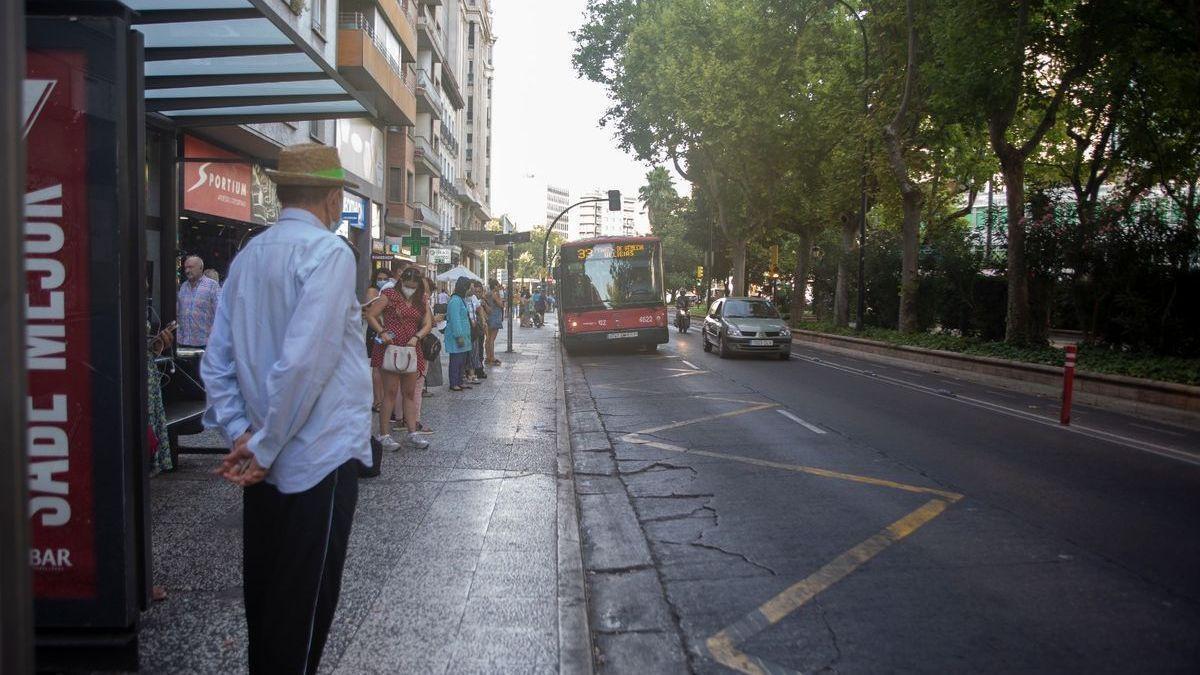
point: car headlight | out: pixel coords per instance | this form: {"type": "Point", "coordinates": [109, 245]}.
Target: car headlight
{"type": "Point", "coordinates": [733, 330]}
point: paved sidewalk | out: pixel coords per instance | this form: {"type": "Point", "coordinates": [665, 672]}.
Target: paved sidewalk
{"type": "Point", "coordinates": [463, 558]}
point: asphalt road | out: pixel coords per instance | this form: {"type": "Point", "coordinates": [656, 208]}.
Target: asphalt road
{"type": "Point", "coordinates": [826, 513]}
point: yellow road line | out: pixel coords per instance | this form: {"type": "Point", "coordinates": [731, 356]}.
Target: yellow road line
{"type": "Point", "coordinates": [723, 645]}
{"type": "Point", "coordinates": [798, 468]}
{"type": "Point", "coordinates": [707, 418]}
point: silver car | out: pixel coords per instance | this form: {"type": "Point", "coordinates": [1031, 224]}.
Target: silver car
{"type": "Point", "coordinates": [746, 326]}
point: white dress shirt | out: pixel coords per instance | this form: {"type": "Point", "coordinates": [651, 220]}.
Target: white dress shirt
{"type": "Point", "coordinates": [284, 358]}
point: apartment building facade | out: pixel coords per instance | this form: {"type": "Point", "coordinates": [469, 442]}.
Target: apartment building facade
{"type": "Point", "coordinates": [595, 220]}
{"type": "Point", "coordinates": [430, 160]}
{"type": "Point", "coordinates": [557, 200]}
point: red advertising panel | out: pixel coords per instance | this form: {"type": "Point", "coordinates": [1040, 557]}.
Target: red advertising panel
{"type": "Point", "coordinates": [59, 355]}
{"type": "Point", "coordinates": [218, 187]}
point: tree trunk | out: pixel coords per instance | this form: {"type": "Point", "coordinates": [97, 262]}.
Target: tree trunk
{"type": "Point", "coordinates": [737, 264]}
{"type": "Point", "coordinates": [1016, 329]}
{"type": "Point", "coordinates": [910, 281]}
{"type": "Point", "coordinates": [910, 192]}
{"type": "Point", "coordinates": [800, 276]}
{"type": "Point", "coordinates": [841, 297]}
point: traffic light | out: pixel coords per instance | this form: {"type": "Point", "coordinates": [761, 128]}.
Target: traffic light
{"type": "Point", "coordinates": [614, 200]}
{"type": "Point", "coordinates": [699, 271]}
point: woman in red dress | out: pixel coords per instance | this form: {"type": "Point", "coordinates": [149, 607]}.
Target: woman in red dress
{"type": "Point", "coordinates": [401, 318]}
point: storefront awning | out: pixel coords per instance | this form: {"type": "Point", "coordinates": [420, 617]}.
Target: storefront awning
{"type": "Point", "coordinates": [217, 62]}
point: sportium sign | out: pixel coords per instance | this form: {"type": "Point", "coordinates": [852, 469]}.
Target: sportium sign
{"type": "Point", "coordinates": [214, 182]}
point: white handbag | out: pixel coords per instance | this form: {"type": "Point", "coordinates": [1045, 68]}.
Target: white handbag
{"type": "Point", "coordinates": [400, 359]}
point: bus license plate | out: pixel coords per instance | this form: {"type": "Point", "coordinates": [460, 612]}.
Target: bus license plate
{"type": "Point", "coordinates": [617, 336]}
{"type": "Point", "coordinates": [761, 343]}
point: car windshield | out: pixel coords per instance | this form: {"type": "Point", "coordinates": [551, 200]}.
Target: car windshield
{"type": "Point", "coordinates": [750, 309]}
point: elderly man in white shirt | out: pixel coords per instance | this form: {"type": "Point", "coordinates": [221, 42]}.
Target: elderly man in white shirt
{"type": "Point", "coordinates": [289, 388]}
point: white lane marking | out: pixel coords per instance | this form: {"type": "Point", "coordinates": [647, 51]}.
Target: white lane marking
{"type": "Point", "coordinates": [690, 364]}
{"type": "Point", "coordinates": [1134, 443]}
{"type": "Point", "coordinates": [1158, 429]}
{"type": "Point", "coordinates": [811, 427]}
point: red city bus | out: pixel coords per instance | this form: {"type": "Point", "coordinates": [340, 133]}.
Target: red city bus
{"type": "Point", "coordinates": [610, 290]}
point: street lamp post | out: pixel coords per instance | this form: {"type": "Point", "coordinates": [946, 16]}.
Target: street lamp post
{"type": "Point", "coordinates": [613, 199]}
{"type": "Point", "coordinates": [862, 180]}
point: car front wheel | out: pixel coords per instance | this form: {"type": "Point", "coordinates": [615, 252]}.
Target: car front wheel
{"type": "Point", "coordinates": [724, 353]}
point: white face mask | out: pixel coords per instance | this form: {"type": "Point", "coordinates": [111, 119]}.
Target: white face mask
{"type": "Point", "coordinates": [408, 292]}
{"type": "Point", "coordinates": [381, 283]}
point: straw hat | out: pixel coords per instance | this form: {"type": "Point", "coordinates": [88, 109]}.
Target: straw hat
{"type": "Point", "coordinates": [310, 164]}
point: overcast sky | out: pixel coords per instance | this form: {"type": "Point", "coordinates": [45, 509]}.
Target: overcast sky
{"type": "Point", "coordinates": [545, 120]}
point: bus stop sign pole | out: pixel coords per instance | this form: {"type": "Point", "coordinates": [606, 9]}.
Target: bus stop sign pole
{"type": "Point", "coordinates": [510, 297]}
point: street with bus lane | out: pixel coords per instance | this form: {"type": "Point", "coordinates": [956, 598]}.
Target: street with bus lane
{"type": "Point", "coordinates": [829, 513]}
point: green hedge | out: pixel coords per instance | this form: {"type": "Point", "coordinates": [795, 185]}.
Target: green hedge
{"type": "Point", "coordinates": [1091, 358]}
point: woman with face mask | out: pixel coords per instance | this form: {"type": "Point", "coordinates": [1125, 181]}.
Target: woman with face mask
{"type": "Point", "coordinates": [401, 317]}
{"type": "Point", "coordinates": [458, 333]}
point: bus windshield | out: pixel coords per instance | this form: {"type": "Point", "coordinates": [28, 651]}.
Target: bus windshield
{"type": "Point", "coordinates": [611, 275]}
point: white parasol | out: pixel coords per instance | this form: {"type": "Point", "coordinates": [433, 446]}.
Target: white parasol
{"type": "Point", "coordinates": [452, 274]}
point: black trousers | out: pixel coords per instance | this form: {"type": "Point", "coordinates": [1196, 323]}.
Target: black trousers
{"type": "Point", "coordinates": [293, 550]}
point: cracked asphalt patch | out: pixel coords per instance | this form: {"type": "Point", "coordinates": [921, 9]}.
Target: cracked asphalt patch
{"type": "Point", "coordinates": [770, 548]}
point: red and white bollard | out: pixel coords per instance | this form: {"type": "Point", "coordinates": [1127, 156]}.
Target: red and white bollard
{"type": "Point", "coordinates": [1068, 384]}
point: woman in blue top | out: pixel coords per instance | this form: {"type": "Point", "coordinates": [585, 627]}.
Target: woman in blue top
{"type": "Point", "coordinates": [458, 332]}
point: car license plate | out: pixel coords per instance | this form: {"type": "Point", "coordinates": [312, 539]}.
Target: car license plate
{"type": "Point", "coordinates": [617, 336]}
{"type": "Point", "coordinates": [761, 343]}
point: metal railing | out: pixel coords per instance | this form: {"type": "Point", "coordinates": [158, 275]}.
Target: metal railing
{"type": "Point", "coordinates": [360, 22]}
{"type": "Point", "coordinates": [448, 137]}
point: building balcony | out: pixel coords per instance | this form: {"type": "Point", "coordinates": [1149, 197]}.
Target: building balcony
{"type": "Point", "coordinates": [451, 87]}
{"type": "Point", "coordinates": [425, 156]}
{"type": "Point", "coordinates": [428, 100]}
{"type": "Point", "coordinates": [401, 15]}
{"type": "Point", "coordinates": [448, 138]}
{"type": "Point", "coordinates": [466, 193]}
{"type": "Point", "coordinates": [425, 216]}
{"type": "Point", "coordinates": [450, 190]}
{"type": "Point", "coordinates": [431, 38]}
{"type": "Point", "coordinates": [362, 60]}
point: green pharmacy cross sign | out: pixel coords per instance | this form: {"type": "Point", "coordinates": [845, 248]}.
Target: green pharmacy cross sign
{"type": "Point", "coordinates": [415, 241]}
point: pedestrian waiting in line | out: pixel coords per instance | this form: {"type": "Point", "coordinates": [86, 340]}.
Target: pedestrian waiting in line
{"type": "Point", "coordinates": [401, 318]}
{"type": "Point", "coordinates": [288, 387]}
{"type": "Point", "coordinates": [525, 309]}
{"type": "Point", "coordinates": [493, 303]}
{"type": "Point", "coordinates": [458, 333]}
{"type": "Point", "coordinates": [383, 279]}
{"type": "Point", "coordinates": [481, 331]}
{"type": "Point", "coordinates": [433, 373]}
